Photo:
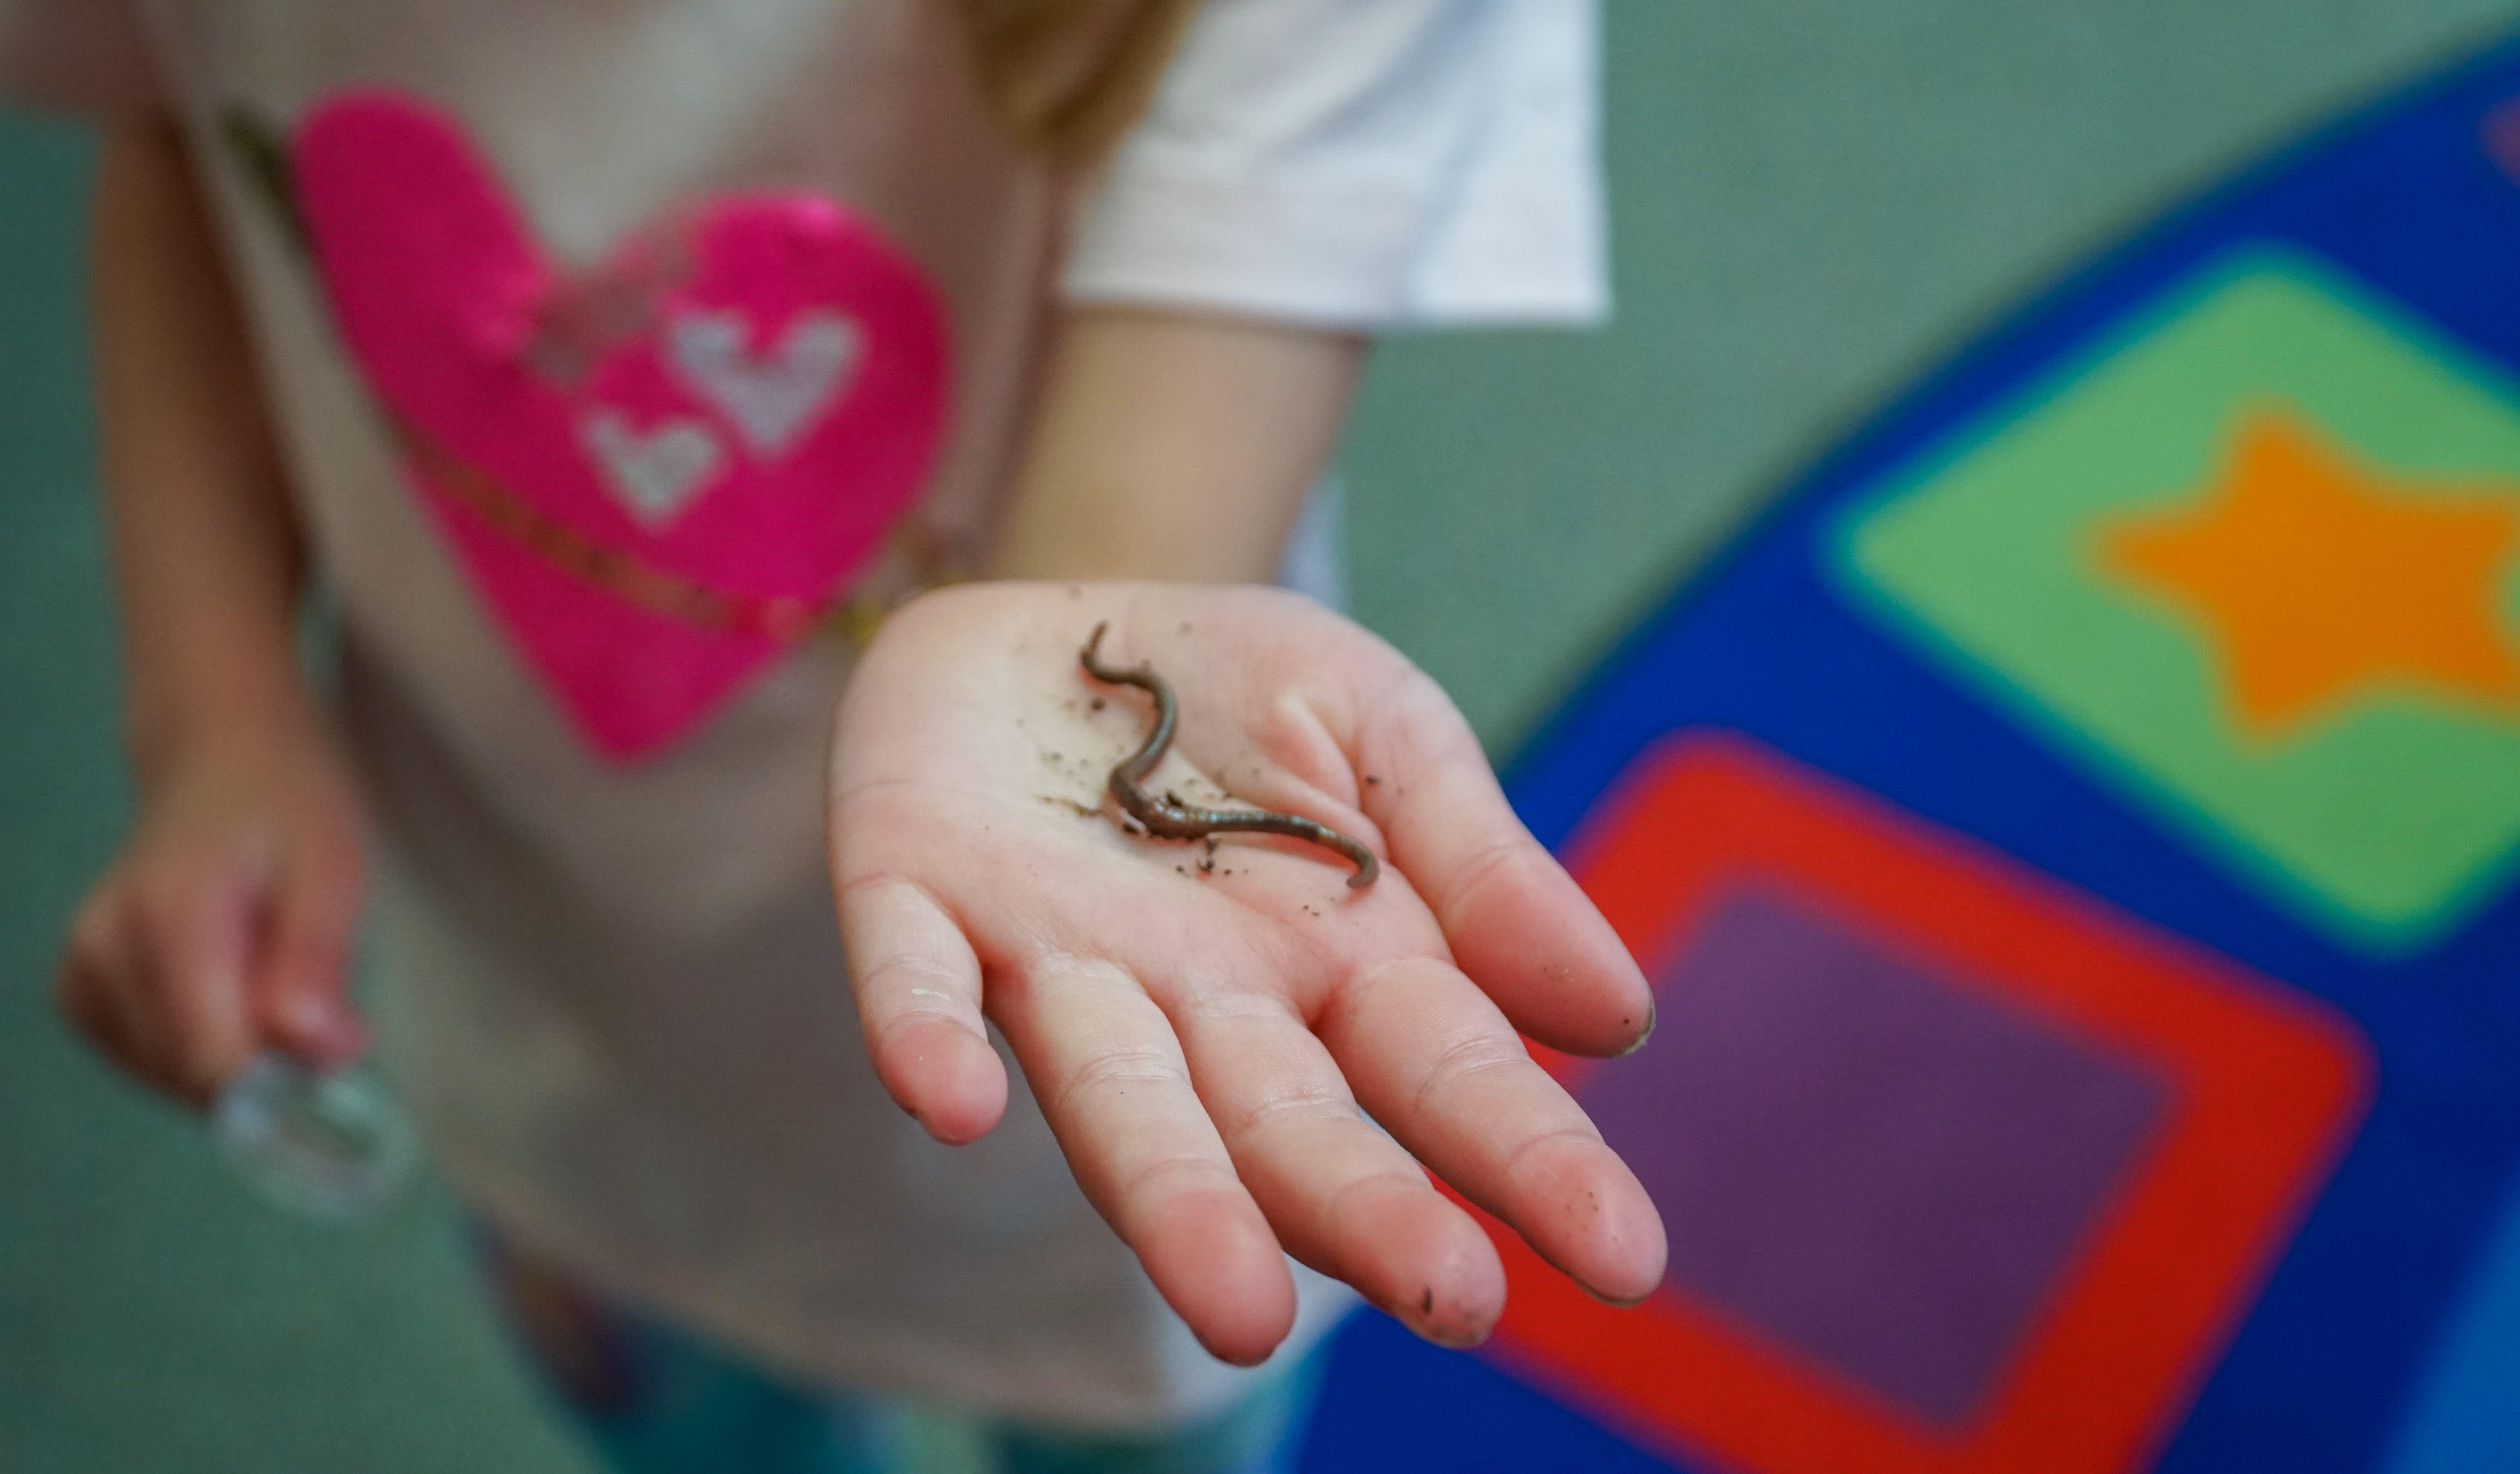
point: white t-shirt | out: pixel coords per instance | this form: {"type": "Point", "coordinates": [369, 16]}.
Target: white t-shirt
{"type": "Point", "coordinates": [609, 340]}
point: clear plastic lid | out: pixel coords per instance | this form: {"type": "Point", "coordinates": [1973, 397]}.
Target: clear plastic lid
{"type": "Point", "coordinates": [328, 1145]}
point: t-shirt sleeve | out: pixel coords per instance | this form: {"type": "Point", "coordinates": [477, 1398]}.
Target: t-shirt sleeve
{"type": "Point", "coordinates": [75, 56]}
{"type": "Point", "coordinates": [1362, 162]}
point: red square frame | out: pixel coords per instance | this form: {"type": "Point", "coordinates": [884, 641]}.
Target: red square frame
{"type": "Point", "coordinates": [2266, 1085]}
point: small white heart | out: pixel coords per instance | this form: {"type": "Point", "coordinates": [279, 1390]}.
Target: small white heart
{"type": "Point", "coordinates": [775, 397]}
{"type": "Point", "coordinates": [653, 475]}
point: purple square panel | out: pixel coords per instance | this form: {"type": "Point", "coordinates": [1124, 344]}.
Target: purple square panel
{"type": "Point", "coordinates": [1878, 1167]}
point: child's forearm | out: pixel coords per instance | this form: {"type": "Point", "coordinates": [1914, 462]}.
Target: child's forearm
{"type": "Point", "coordinates": [1174, 446]}
{"type": "Point", "coordinates": [206, 552]}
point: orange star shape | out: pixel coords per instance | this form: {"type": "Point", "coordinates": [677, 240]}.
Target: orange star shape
{"type": "Point", "coordinates": [2316, 580]}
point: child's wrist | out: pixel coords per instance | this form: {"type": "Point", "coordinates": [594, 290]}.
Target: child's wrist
{"type": "Point", "coordinates": [249, 720]}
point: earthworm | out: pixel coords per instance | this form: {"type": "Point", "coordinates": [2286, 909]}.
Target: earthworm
{"type": "Point", "coordinates": [1167, 817]}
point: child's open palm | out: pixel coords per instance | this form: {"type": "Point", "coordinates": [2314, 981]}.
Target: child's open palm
{"type": "Point", "coordinates": [1208, 1030]}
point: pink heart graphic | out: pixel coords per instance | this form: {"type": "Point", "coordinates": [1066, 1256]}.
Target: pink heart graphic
{"type": "Point", "coordinates": [547, 411]}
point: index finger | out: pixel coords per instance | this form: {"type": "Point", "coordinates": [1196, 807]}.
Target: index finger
{"type": "Point", "coordinates": [1431, 1058]}
{"type": "Point", "coordinates": [1516, 920]}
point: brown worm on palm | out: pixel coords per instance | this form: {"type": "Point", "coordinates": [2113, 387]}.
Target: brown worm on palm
{"type": "Point", "coordinates": [1167, 817]}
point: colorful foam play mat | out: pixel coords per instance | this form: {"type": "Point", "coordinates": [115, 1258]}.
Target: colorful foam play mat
{"type": "Point", "coordinates": [2075, 839]}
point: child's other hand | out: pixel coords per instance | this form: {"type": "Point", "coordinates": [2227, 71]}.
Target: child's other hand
{"type": "Point", "coordinates": [1202, 1041]}
{"type": "Point", "coordinates": [224, 926]}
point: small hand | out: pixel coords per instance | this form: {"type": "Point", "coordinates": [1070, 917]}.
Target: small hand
{"type": "Point", "coordinates": [224, 926]}
{"type": "Point", "coordinates": [1207, 1031]}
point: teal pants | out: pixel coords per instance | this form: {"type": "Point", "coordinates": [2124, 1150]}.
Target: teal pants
{"type": "Point", "coordinates": [657, 1398]}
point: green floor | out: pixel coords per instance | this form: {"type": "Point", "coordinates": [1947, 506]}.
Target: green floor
{"type": "Point", "coordinates": [1812, 197]}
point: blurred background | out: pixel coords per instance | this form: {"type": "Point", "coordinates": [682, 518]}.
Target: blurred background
{"type": "Point", "coordinates": [1812, 200]}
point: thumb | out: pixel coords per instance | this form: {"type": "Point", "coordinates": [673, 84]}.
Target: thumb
{"type": "Point", "coordinates": [301, 975]}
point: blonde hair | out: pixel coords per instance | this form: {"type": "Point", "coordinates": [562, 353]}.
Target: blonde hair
{"type": "Point", "coordinates": [1067, 77]}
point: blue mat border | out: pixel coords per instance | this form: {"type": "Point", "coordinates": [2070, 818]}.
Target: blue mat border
{"type": "Point", "coordinates": [1762, 641]}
